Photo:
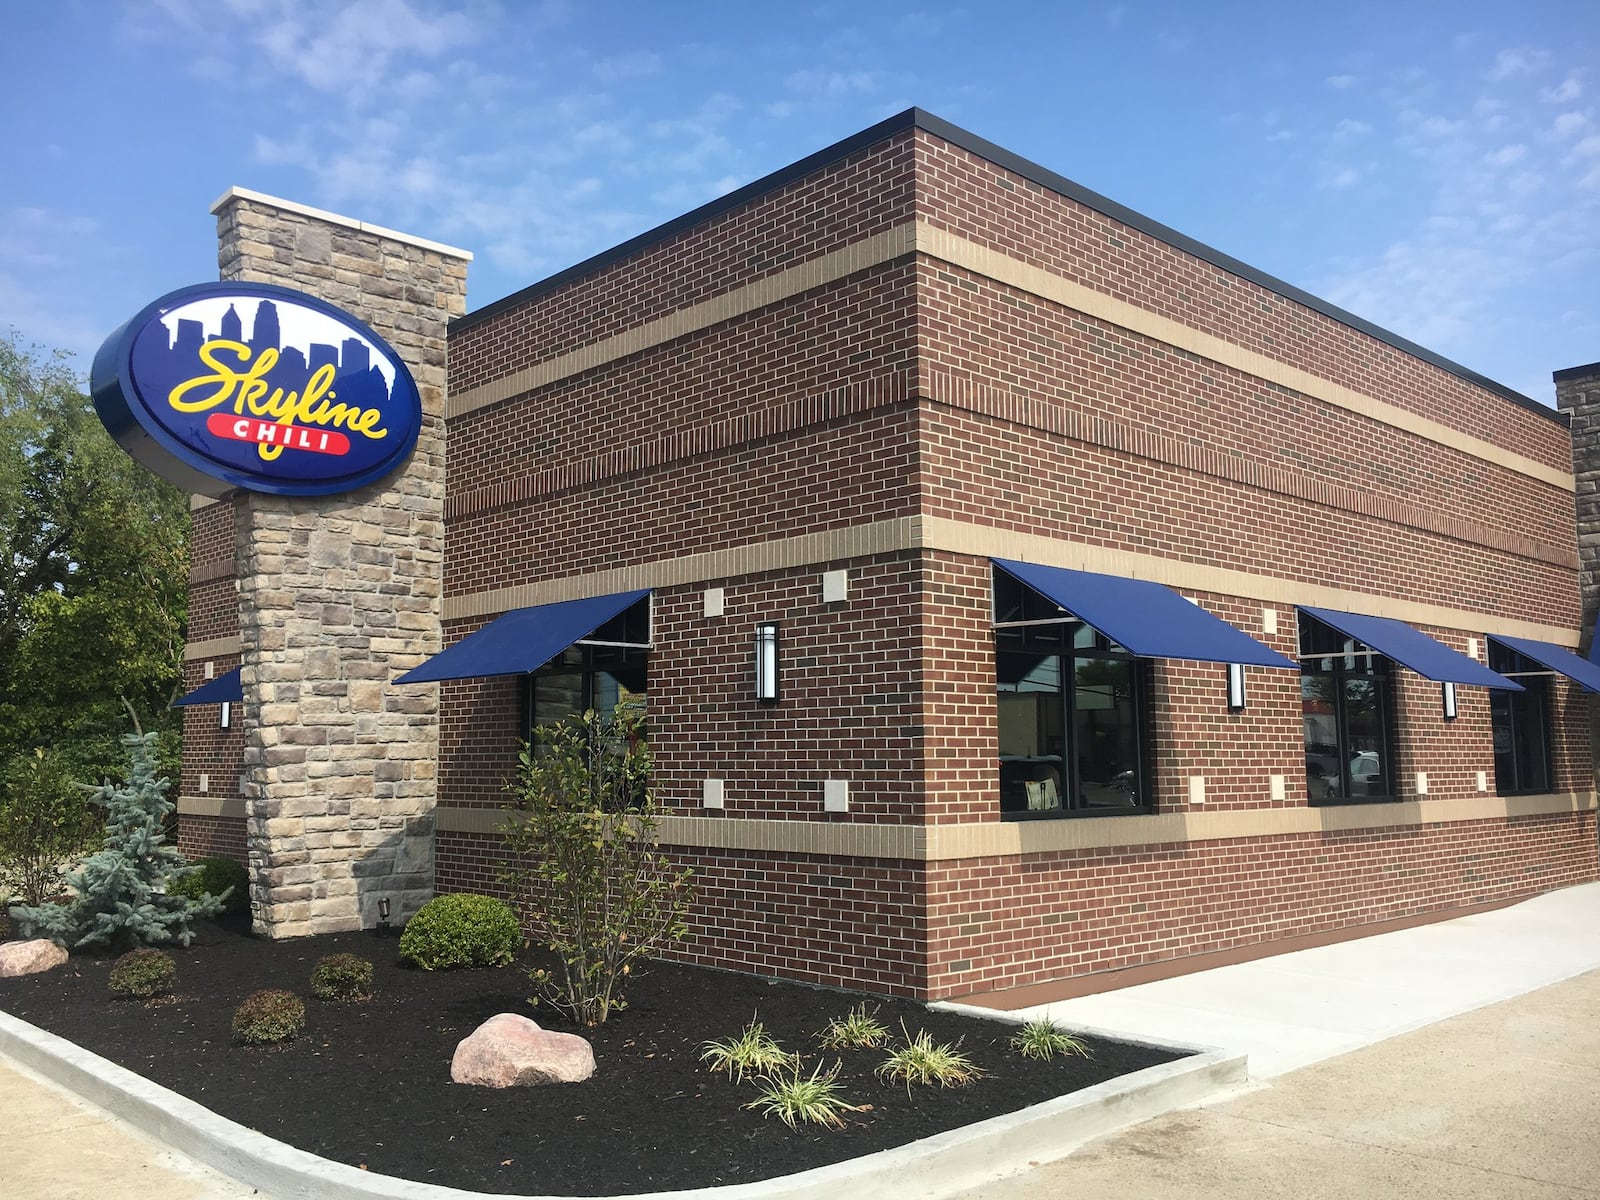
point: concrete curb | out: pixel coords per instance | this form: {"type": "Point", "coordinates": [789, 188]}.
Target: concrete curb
{"type": "Point", "coordinates": [925, 1170]}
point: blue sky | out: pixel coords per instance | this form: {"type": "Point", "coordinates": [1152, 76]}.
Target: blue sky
{"type": "Point", "coordinates": [1433, 167]}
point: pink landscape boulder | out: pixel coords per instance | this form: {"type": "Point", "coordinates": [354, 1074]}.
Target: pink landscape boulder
{"type": "Point", "coordinates": [508, 1050]}
{"type": "Point", "coordinates": [29, 958]}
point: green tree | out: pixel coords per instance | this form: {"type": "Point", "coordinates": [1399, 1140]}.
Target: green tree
{"type": "Point", "coordinates": [93, 577]}
{"type": "Point", "coordinates": [45, 822]}
{"type": "Point", "coordinates": [124, 896]}
{"type": "Point", "coordinates": [592, 886]}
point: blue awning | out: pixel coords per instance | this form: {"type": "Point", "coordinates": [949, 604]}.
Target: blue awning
{"type": "Point", "coordinates": [1557, 658]}
{"type": "Point", "coordinates": [1150, 620]}
{"type": "Point", "coordinates": [522, 640]}
{"type": "Point", "coordinates": [216, 691]}
{"type": "Point", "coordinates": [1412, 648]}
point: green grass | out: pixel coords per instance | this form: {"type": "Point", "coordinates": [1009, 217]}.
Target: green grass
{"type": "Point", "coordinates": [794, 1098]}
{"type": "Point", "coordinates": [920, 1061]}
{"type": "Point", "coordinates": [1044, 1039]}
{"type": "Point", "coordinates": [753, 1052]}
{"type": "Point", "coordinates": [860, 1030]}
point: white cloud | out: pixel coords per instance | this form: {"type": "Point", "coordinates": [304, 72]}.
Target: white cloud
{"type": "Point", "coordinates": [1334, 176]}
{"type": "Point", "coordinates": [622, 67]}
{"type": "Point", "coordinates": [1568, 123]}
{"type": "Point", "coordinates": [1505, 156]}
{"type": "Point", "coordinates": [1351, 129]}
{"type": "Point", "coordinates": [1520, 60]}
{"type": "Point", "coordinates": [1568, 90]}
{"type": "Point", "coordinates": [1341, 82]}
{"type": "Point", "coordinates": [815, 83]}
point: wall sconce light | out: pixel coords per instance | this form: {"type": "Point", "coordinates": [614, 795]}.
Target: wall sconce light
{"type": "Point", "coordinates": [225, 717]}
{"type": "Point", "coordinates": [1235, 687]}
{"type": "Point", "coordinates": [767, 662]}
{"type": "Point", "coordinates": [1448, 695]}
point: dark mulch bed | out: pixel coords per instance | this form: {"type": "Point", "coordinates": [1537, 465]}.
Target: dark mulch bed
{"type": "Point", "coordinates": [370, 1084]}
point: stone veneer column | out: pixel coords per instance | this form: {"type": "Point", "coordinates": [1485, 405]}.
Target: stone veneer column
{"type": "Point", "coordinates": [1578, 395]}
{"type": "Point", "coordinates": [338, 595]}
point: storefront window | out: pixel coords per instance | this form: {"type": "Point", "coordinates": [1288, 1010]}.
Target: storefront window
{"type": "Point", "coordinates": [1521, 724]}
{"type": "Point", "coordinates": [1070, 712]}
{"type": "Point", "coordinates": [603, 670]}
{"type": "Point", "coordinates": [1347, 708]}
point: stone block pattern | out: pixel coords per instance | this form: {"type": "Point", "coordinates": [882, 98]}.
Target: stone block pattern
{"type": "Point", "coordinates": [915, 388]}
{"type": "Point", "coordinates": [337, 596]}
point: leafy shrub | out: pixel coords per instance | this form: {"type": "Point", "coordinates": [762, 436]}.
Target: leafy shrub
{"type": "Point", "coordinates": [224, 878]}
{"type": "Point", "coordinates": [270, 1015]}
{"type": "Point", "coordinates": [342, 977]}
{"type": "Point", "coordinates": [860, 1030]}
{"type": "Point", "coordinates": [590, 882]}
{"type": "Point", "coordinates": [5, 923]}
{"type": "Point", "coordinates": [920, 1061]}
{"type": "Point", "coordinates": [45, 823]}
{"type": "Point", "coordinates": [795, 1097]}
{"type": "Point", "coordinates": [461, 930]}
{"type": "Point", "coordinates": [1044, 1039]}
{"type": "Point", "coordinates": [753, 1052]}
{"type": "Point", "coordinates": [143, 973]}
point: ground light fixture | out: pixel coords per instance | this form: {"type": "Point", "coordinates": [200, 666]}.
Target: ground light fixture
{"type": "Point", "coordinates": [383, 915]}
{"type": "Point", "coordinates": [767, 662]}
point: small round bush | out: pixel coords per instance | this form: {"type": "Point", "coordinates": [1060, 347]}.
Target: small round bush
{"type": "Point", "coordinates": [5, 923]}
{"type": "Point", "coordinates": [213, 877]}
{"type": "Point", "coordinates": [143, 973]}
{"type": "Point", "coordinates": [345, 978]}
{"type": "Point", "coordinates": [270, 1015]}
{"type": "Point", "coordinates": [461, 930]}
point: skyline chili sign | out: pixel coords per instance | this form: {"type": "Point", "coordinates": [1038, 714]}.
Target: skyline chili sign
{"type": "Point", "coordinates": [247, 385]}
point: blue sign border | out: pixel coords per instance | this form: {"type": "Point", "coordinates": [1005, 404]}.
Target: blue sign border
{"type": "Point", "coordinates": [132, 422]}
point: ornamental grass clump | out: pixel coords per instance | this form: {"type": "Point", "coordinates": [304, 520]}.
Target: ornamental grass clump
{"type": "Point", "coordinates": [143, 974]}
{"type": "Point", "coordinates": [919, 1060]}
{"type": "Point", "coordinates": [343, 979]}
{"type": "Point", "coordinates": [753, 1052]}
{"type": "Point", "coordinates": [1044, 1039]}
{"type": "Point", "coordinates": [794, 1097]}
{"type": "Point", "coordinates": [860, 1030]}
{"type": "Point", "coordinates": [461, 930]}
{"type": "Point", "coordinates": [268, 1016]}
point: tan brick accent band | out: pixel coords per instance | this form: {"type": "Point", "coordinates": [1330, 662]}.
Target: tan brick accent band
{"type": "Point", "coordinates": [827, 268]}
{"type": "Point", "coordinates": [212, 806]}
{"type": "Point", "coordinates": [1003, 839]}
{"type": "Point", "coordinates": [221, 647]}
{"type": "Point", "coordinates": [923, 238]}
{"type": "Point", "coordinates": [905, 534]}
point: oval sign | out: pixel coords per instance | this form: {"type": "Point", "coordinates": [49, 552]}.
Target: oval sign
{"type": "Point", "coordinates": [247, 385]}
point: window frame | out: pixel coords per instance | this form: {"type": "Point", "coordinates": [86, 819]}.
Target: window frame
{"type": "Point", "coordinates": [1341, 660]}
{"type": "Point", "coordinates": [1043, 630]}
{"type": "Point", "coordinates": [1538, 690]}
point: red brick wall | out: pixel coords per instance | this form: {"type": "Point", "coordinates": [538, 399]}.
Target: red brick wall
{"type": "Point", "coordinates": [917, 388]}
{"type": "Point", "coordinates": [211, 837]}
{"type": "Point", "coordinates": [969, 196]}
{"type": "Point", "coordinates": [997, 923]}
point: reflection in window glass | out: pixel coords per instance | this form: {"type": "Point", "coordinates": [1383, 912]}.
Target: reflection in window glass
{"type": "Point", "coordinates": [1347, 712]}
{"type": "Point", "coordinates": [1070, 708]}
{"type": "Point", "coordinates": [1521, 724]}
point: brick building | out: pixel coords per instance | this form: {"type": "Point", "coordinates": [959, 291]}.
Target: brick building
{"type": "Point", "coordinates": [1016, 474]}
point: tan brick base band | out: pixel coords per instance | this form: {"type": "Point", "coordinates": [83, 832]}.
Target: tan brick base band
{"type": "Point", "coordinates": [995, 839]}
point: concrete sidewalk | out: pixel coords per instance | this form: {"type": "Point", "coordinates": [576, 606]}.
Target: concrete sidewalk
{"type": "Point", "coordinates": [1498, 1104]}
{"type": "Point", "coordinates": [1501, 1101]}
